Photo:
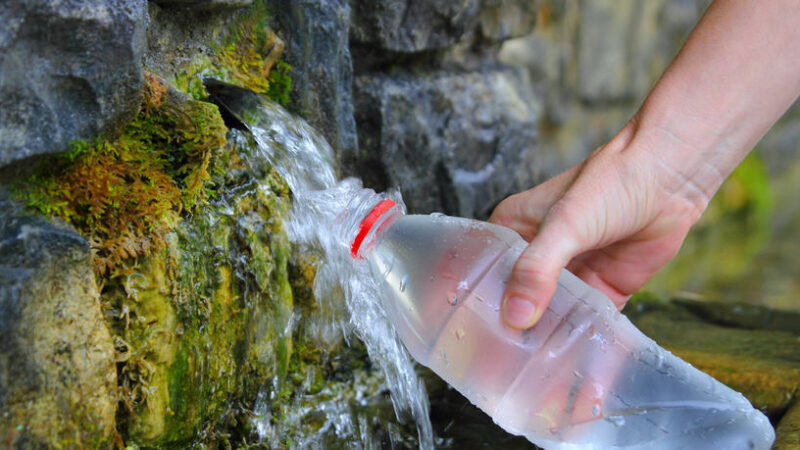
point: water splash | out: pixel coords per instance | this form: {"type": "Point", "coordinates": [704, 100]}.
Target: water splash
{"type": "Point", "coordinates": [319, 223]}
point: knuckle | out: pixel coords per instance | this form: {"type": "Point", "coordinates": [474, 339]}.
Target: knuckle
{"type": "Point", "coordinates": [530, 270]}
{"type": "Point", "coordinates": [564, 222]}
{"type": "Point", "coordinates": [562, 212]}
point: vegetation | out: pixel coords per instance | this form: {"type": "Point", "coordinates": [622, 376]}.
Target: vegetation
{"type": "Point", "coordinates": [201, 326]}
{"type": "Point", "coordinates": [722, 245]}
{"type": "Point", "coordinates": [248, 56]}
{"type": "Point", "coordinates": [125, 194]}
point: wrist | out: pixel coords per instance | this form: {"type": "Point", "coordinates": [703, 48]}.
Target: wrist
{"type": "Point", "coordinates": [670, 170]}
{"type": "Point", "coordinates": [685, 156]}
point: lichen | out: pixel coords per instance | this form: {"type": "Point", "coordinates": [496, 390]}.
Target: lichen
{"type": "Point", "coordinates": [125, 194]}
{"type": "Point", "coordinates": [248, 56]}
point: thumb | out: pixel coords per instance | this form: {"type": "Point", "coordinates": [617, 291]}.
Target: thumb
{"type": "Point", "coordinates": [535, 276]}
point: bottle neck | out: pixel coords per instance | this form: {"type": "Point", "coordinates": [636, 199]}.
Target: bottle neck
{"type": "Point", "coordinates": [367, 217]}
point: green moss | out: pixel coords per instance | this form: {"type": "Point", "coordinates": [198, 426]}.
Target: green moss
{"type": "Point", "coordinates": [788, 430]}
{"type": "Point", "coordinates": [280, 83]}
{"type": "Point", "coordinates": [247, 56]}
{"type": "Point", "coordinates": [125, 194]}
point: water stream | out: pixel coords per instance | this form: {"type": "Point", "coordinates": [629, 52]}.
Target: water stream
{"type": "Point", "coordinates": [317, 224]}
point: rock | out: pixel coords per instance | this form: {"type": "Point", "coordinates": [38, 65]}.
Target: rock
{"type": "Point", "coordinates": [410, 26]}
{"type": "Point", "coordinates": [316, 35]}
{"type": "Point", "coordinates": [57, 368]}
{"type": "Point", "coordinates": [602, 50]}
{"type": "Point", "coordinates": [178, 36]}
{"type": "Point", "coordinates": [68, 70]}
{"type": "Point", "coordinates": [452, 142]}
{"type": "Point", "coordinates": [506, 19]}
{"type": "Point", "coordinates": [787, 434]}
{"type": "Point", "coordinates": [616, 43]}
{"type": "Point", "coordinates": [205, 5]}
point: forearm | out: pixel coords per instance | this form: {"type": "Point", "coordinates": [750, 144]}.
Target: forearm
{"type": "Point", "coordinates": [736, 75]}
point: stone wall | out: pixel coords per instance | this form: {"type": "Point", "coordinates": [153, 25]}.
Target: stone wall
{"type": "Point", "coordinates": [460, 104]}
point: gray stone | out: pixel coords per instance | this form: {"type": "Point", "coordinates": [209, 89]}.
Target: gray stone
{"type": "Point", "coordinates": [602, 50]}
{"type": "Point", "coordinates": [452, 142]}
{"type": "Point", "coordinates": [410, 26]}
{"type": "Point", "coordinates": [316, 35]}
{"type": "Point", "coordinates": [57, 367]}
{"type": "Point", "coordinates": [616, 49]}
{"type": "Point", "coordinates": [68, 70]}
{"type": "Point", "coordinates": [506, 19]}
{"type": "Point", "coordinates": [205, 5]}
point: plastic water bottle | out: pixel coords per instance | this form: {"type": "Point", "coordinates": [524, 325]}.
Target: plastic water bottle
{"type": "Point", "coordinates": [582, 377]}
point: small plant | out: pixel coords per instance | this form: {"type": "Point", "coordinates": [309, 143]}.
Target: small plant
{"type": "Point", "coordinates": [280, 83]}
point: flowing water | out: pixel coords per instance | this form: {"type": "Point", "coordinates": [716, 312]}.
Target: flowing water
{"type": "Point", "coordinates": [318, 223]}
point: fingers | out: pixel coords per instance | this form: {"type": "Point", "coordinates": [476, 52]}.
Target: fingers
{"type": "Point", "coordinates": [535, 276]}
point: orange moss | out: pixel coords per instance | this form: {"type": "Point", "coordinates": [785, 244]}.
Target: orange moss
{"type": "Point", "coordinates": [125, 195]}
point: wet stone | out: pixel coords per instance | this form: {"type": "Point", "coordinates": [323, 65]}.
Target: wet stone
{"type": "Point", "coordinates": [57, 369]}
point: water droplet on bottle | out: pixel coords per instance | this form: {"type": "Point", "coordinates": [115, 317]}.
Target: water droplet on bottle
{"type": "Point", "coordinates": [453, 299]}
{"type": "Point", "coordinates": [595, 410]}
{"type": "Point", "coordinates": [463, 285]}
{"type": "Point", "coordinates": [403, 283]}
{"type": "Point", "coordinates": [617, 421]}
{"type": "Point", "coordinates": [659, 359]}
{"type": "Point", "coordinates": [460, 333]}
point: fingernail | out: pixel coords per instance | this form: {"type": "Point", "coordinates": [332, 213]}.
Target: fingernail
{"type": "Point", "coordinates": [519, 313]}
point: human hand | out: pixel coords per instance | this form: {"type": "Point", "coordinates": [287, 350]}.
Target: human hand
{"type": "Point", "coordinates": [614, 221]}
{"type": "Point", "coordinates": [618, 217]}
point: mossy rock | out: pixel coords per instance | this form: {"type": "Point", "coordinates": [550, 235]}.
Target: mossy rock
{"type": "Point", "coordinates": [788, 431]}
{"type": "Point", "coordinates": [57, 370]}
{"type": "Point", "coordinates": [125, 194]}
{"type": "Point", "coordinates": [202, 324]}
{"type": "Point", "coordinates": [247, 54]}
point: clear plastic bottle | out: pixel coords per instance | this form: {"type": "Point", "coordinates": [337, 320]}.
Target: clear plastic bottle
{"type": "Point", "coordinates": [582, 377]}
